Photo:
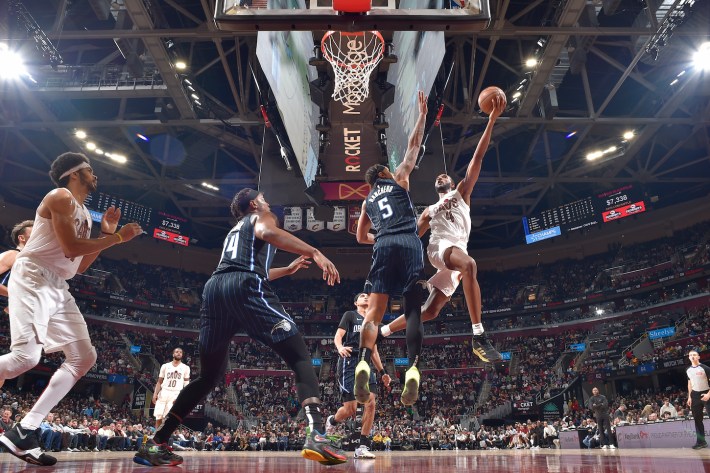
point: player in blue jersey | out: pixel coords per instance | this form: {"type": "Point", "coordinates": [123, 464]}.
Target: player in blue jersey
{"type": "Point", "coordinates": [239, 297]}
{"type": "Point", "coordinates": [397, 260]}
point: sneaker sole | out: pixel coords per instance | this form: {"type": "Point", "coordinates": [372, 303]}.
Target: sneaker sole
{"type": "Point", "coordinates": [361, 390]}
{"type": "Point", "coordinates": [146, 462]}
{"type": "Point", "coordinates": [24, 456]}
{"type": "Point", "coordinates": [410, 393]}
{"type": "Point", "coordinates": [309, 454]}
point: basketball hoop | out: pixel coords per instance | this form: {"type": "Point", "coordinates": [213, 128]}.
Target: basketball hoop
{"type": "Point", "coordinates": [353, 55]}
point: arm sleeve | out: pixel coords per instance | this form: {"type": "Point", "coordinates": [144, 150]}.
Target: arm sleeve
{"type": "Point", "coordinates": [706, 369]}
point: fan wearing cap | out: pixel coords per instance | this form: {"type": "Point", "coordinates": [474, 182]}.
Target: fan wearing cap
{"type": "Point", "coordinates": [239, 298]}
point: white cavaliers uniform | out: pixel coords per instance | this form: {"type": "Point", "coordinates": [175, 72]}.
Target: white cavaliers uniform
{"type": "Point", "coordinates": [174, 379]}
{"type": "Point", "coordinates": [450, 227]}
{"type": "Point", "coordinates": [40, 303]}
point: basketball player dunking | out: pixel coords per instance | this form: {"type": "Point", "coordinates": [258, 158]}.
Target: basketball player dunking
{"type": "Point", "coordinates": [19, 235]}
{"type": "Point", "coordinates": [397, 260]}
{"type": "Point", "coordinates": [172, 378]}
{"type": "Point", "coordinates": [450, 223]}
{"type": "Point", "coordinates": [237, 297]}
{"type": "Point", "coordinates": [43, 314]}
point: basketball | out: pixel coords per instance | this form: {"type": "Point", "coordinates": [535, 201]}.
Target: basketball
{"type": "Point", "coordinates": [485, 99]}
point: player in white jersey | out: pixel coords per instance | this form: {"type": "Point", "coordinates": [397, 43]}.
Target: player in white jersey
{"type": "Point", "coordinates": [450, 223]}
{"type": "Point", "coordinates": [43, 314]}
{"type": "Point", "coordinates": [172, 378]}
{"type": "Point", "coordinates": [20, 235]}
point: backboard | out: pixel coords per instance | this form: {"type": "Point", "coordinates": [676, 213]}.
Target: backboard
{"type": "Point", "coordinates": [318, 15]}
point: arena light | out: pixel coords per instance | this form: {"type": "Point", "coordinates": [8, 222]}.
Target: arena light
{"type": "Point", "coordinates": [119, 158]}
{"type": "Point", "coordinates": [701, 58]}
{"type": "Point", "coordinates": [531, 62]}
{"type": "Point", "coordinates": [81, 134]}
{"type": "Point", "coordinates": [99, 151]}
{"type": "Point", "coordinates": [210, 186]}
{"type": "Point", "coordinates": [629, 134]}
{"type": "Point", "coordinates": [180, 65]}
{"type": "Point", "coordinates": [594, 155]}
{"type": "Point", "coordinates": [91, 146]}
{"type": "Point", "coordinates": [11, 64]}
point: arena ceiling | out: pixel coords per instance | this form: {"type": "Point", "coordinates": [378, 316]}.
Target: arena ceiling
{"type": "Point", "coordinates": [615, 66]}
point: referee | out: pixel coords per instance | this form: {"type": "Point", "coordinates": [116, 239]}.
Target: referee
{"type": "Point", "coordinates": [698, 395]}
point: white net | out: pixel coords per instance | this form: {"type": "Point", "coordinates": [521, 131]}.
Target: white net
{"type": "Point", "coordinates": [353, 55]}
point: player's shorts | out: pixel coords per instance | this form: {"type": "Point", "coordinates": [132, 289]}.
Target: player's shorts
{"type": "Point", "coordinates": [397, 264]}
{"type": "Point", "coordinates": [165, 402]}
{"type": "Point", "coordinates": [42, 308]}
{"type": "Point", "coordinates": [346, 378]}
{"type": "Point", "coordinates": [242, 301]}
{"type": "Point", "coordinates": [445, 280]}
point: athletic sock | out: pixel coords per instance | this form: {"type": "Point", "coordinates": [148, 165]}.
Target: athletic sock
{"type": "Point", "coordinates": [315, 417]}
{"type": "Point", "coordinates": [477, 329]}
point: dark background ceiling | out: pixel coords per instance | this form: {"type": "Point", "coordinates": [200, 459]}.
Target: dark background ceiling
{"type": "Point", "coordinates": [611, 73]}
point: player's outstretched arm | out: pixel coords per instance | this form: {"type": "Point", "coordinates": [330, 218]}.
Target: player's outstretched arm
{"type": "Point", "coordinates": [266, 229]}
{"type": "Point", "coordinates": [61, 207]}
{"type": "Point", "coordinates": [465, 187]}
{"type": "Point", "coordinates": [401, 174]}
{"type": "Point", "coordinates": [298, 263]}
{"type": "Point", "coordinates": [423, 222]}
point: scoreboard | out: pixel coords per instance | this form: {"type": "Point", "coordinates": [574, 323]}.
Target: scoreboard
{"type": "Point", "coordinates": [604, 207]}
{"type": "Point", "coordinates": [161, 225]}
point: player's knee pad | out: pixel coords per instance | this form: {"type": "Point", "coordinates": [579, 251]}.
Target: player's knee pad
{"type": "Point", "coordinates": [79, 357]}
{"type": "Point", "coordinates": [22, 358]}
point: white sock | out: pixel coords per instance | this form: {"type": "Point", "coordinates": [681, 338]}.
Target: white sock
{"type": "Point", "coordinates": [59, 385]}
{"type": "Point", "coordinates": [386, 332]}
{"type": "Point", "coordinates": [477, 329]}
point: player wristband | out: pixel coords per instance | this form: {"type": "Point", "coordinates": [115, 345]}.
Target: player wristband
{"type": "Point", "coordinates": [120, 238]}
{"type": "Point", "coordinates": [382, 372]}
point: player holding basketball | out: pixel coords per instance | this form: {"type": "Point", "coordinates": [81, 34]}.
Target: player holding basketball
{"type": "Point", "coordinates": [397, 260]}
{"type": "Point", "coordinates": [239, 297]}
{"type": "Point", "coordinates": [19, 235]}
{"type": "Point", "coordinates": [346, 339]}
{"type": "Point", "coordinates": [172, 378]}
{"type": "Point", "coordinates": [450, 223]}
{"type": "Point", "coordinates": [43, 314]}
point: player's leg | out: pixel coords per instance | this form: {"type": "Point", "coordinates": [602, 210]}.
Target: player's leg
{"type": "Point", "coordinates": [458, 260]}
{"type": "Point", "coordinates": [317, 447]}
{"type": "Point", "coordinates": [413, 259]}
{"type": "Point", "coordinates": [433, 305]}
{"type": "Point", "coordinates": [368, 419]}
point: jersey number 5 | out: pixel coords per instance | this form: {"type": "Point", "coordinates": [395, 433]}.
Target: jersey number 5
{"type": "Point", "coordinates": [385, 208]}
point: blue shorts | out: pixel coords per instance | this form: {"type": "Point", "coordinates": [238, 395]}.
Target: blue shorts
{"type": "Point", "coordinates": [242, 301]}
{"type": "Point", "coordinates": [346, 377]}
{"type": "Point", "coordinates": [397, 264]}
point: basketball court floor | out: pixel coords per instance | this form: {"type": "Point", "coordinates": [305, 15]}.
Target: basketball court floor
{"type": "Point", "coordinates": [683, 460]}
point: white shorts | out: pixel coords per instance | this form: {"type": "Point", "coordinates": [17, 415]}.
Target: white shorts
{"type": "Point", "coordinates": [445, 280]}
{"type": "Point", "coordinates": [41, 307]}
{"type": "Point", "coordinates": [165, 402]}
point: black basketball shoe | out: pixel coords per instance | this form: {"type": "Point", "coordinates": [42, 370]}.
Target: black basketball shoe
{"type": "Point", "coordinates": [484, 349]}
{"type": "Point", "coordinates": [156, 454]}
{"type": "Point", "coordinates": [24, 444]}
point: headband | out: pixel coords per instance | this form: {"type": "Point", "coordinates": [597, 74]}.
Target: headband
{"type": "Point", "coordinates": [243, 204]}
{"type": "Point", "coordinates": [78, 167]}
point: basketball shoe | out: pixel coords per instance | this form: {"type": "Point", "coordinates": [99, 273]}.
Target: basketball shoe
{"type": "Point", "coordinates": [155, 454]}
{"type": "Point", "coordinates": [484, 349]}
{"type": "Point", "coordinates": [364, 452]}
{"type": "Point", "coordinates": [321, 449]}
{"type": "Point", "coordinates": [24, 444]}
{"type": "Point", "coordinates": [361, 390]}
{"type": "Point", "coordinates": [410, 393]}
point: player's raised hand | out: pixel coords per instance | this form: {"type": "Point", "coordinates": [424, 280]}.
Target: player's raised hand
{"type": "Point", "coordinates": [129, 231]}
{"type": "Point", "coordinates": [109, 221]}
{"type": "Point", "coordinates": [422, 103]}
{"type": "Point", "coordinates": [299, 263]}
{"type": "Point", "coordinates": [499, 104]}
{"type": "Point", "coordinates": [330, 272]}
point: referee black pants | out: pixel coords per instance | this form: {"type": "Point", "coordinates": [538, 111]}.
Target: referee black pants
{"type": "Point", "coordinates": [604, 427]}
{"type": "Point", "coordinates": [696, 407]}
